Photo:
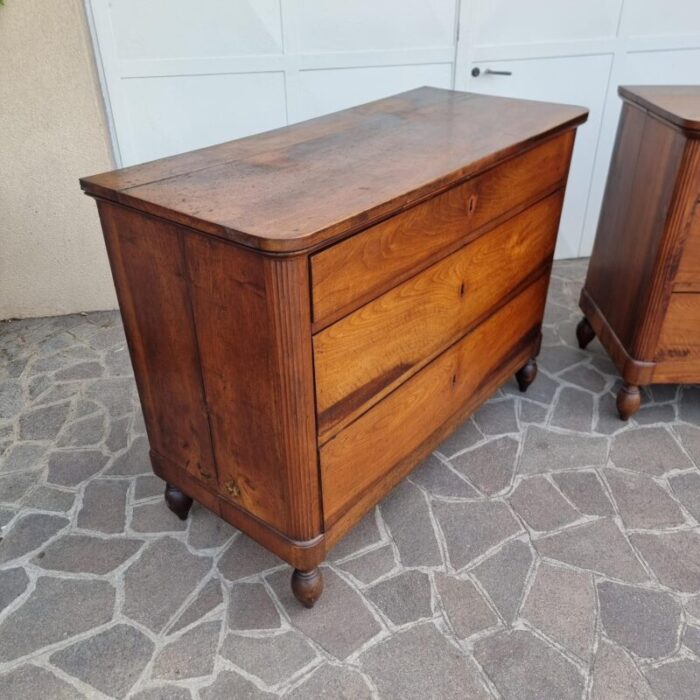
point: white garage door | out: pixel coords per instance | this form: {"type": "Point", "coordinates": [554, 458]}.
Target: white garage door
{"type": "Point", "coordinates": [180, 74]}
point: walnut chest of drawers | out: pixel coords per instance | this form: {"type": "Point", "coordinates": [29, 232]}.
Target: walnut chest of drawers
{"type": "Point", "coordinates": [642, 292]}
{"type": "Point", "coordinates": [311, 310]}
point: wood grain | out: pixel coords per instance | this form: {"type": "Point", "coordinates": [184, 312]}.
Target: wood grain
{"type": "Point", "coordinates": [365, 451]}
{"type": "Point", "coordinates": [366, 169]}
{"type": "Point", "coordinates": [678, 104]}
{"type": "Point", "coordinates": [355, 270]}
{"type": "Point", "coordinates": [366, 354]}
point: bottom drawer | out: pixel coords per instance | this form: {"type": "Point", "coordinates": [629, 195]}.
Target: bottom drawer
{"type": "Point", "coordinates": [386, 434]}
{"type": "Point", "coordinates": [678, 355]}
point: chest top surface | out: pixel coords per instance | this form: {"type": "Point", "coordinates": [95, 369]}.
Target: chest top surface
{"type": "Point", "coordinates": [304, 185]}
{"type": "Point", "coordinates": [678, 104]}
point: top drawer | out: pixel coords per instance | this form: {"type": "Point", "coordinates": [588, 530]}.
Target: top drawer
{"type": "Point", "coordinates": [357, 269]}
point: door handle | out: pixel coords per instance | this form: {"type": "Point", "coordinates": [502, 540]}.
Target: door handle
{"type": "Point", "coordinates": [476, 72]}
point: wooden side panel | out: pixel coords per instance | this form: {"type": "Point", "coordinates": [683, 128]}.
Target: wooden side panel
{"type": "Point", "coordinates": [146, 256]}
{"type": "Point", "coordinates": [630, 233]}
{"type": "Point", "coordinates": [362, 454]}
{"type": "Point", "coordinates": [252, 316]}
{"type": "Point", "coordinates": [679, 343]}
{"type": "Point", "coordinates": [688, 276]}
{"type": "Point", "coordinates": [366, 354]}
{"type": "Point", "coordinates": [357, 269]}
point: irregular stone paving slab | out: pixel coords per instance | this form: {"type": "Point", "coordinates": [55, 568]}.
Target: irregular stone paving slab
{"type": "Point", "coordinates": [649, 450]}
{"type": "Point", "coordinates": [608, 421]}
{"type": "Point", "coordinates": [6, 514]}
{"type": "Point", "coordinates": [465, 608]}
{"type": "Point", "coordinates": [150, 485]}
{"type": "Point", "coordinates": [690, 439]}
{"type": "Point", "coordinates": [437, 478]}
{"type": "Point", "coordinates": [165, 692]}
{"type": "Point", "coordinates": [84, 554]}
{"type": "Point", "coordinates": [690, 405]}
{"type": "Point", "coordinates": [110, 661]}
{"type": "Point", "coordinates": [648, 415]}
{"type": "Point", "coordinates": [84, 432]}
{"type": "Point", "coordinates": [504, 575]}
{"type": "Point", "coordinates": [251, 608]}
{"type": "Point", "coordinates": [160, 580]}
{"type": "Point", "coordinates": [541, 506]}
{"type": "Point", "coordinates": [642, 503]}
{"type": "Point", "coordinates": [555, 359]}
{"type": "Point", "coordinates": [616, 676]}
{"type": "Point", "coordinates": [155, 517]}
{"type": "Point", "coordinates": [367, 568]}
{"type": "Point", "coordinates": [28, 533]}
{"type": "Point", "coordinates": [83, 370]}
{"type": "Point", "coordinates": [13, 582]}
{"type": "Point", "coordinates": [643, 621]}
{"type": "Point", "coordinates": [598, 546]}
{"type": "Point", "coordinates": [403, 598]}
{"type": "Point", "coordinates": [532, 412]}
{"type": "Point", "coordinates": [522, 666]}
{"type": "Point", "coordinates": [585, 377]}
{"type": "Point", "coordinates": [407, 515]}
{"type": "Point", "coordinates": [677, 680]}
{"type": "Point", "coordinates": [13, 487]}
{"type": "Point", "coordinates": [191, 655]}
{"type": "Point", "coordinates": [103, 506]}
{"type": "Point", "coordinates": [56, 610]}
{"type": "Point", "coordinates": [47, 498]}
{"type": "Point", "coordinates": [332, 682]}
{"type": "Point", "coordinates": [674, 557]}
{"type": "Point", "coordinates": [353, 625]}
{"type": "Point", "coordinates": [542, 390]}
{"type": "Point", "coordinates": [692, 606]}
{"type": "Point", "coordinates": [562, 604]}
{"type": "Point", "coordinates": [210, 597]}
{"type": "Point", "coordinates": [118, 437]}
{"type": "Point", "coordinates": [691, 639]}
{"type": "Point", "coordinates": [497, 417]}
{"type": "Point", "coordinates": [33, 683]}
{"type": "Point", "coordinates": [421, 663]}
{"type": "Point", "coordinates": [21, 457]}
{"type": "Point", "coordinates": [585, 491]}
{"type": "Point", "coordinates": [11, 398]}
{"type": "Point", "coordinates": [463, 437]}
{"type": "Point", "coordinates": [364, 534]}
{"type": "Point", "coordinates": [207, 530]}
{"type": "Point", "coordinates": [271, 659]}
{"type": "Point", "coordinates": [471, 529]}
{"type": "Point", "coordinates": [229, 685]}
{"type": "Point", "coordinates": [489, 467]}
{"type": "Point", "coordinates": [686, 488]}
{"type": "Point", "coordinates": [545, 450]}
{"type": "Point", "coordinates": [43, 423]}
{"type": "Point", "coordinates": [70, 468]}
{"type": "Point", "coordinates": [134, 461]}
{"type": "Point", "coordinates": [115, 394]}
{"type": "Point", "coordinates": [574, 410]}
{"type": "Point", "coordinates": [245, 558]}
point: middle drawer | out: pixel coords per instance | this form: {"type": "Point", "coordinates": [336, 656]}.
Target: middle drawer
{"type": "Point", "coordinates": [360, 358]}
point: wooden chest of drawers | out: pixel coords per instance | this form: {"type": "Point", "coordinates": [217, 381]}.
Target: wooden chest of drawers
{"type": "Point", "coordinates": [311, 310]}
{"type": "Point", "coordinates": [642, 293]}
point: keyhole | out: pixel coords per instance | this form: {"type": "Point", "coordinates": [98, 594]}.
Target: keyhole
{"type": "Point", "coordinates": [471, 206]}
{"type": "Point", "coordinates": [462, 289]}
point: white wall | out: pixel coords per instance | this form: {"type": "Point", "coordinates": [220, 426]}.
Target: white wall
{"type": "Point", "coordinates": [52, 131]}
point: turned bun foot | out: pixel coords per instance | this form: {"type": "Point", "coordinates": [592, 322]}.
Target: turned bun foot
{"type": "Point", "coordinates": [177, 501]}
{"type": "Point", "coordinates": [629, 400]}
{"type": "Point", "coordinates": [307, 586]}
{"type": "Point", "coordinates": [584, 333]}
{"type": "Point", "coordinates": [526, 375]}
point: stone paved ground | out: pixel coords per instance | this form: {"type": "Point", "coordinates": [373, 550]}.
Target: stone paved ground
{"type": "Point", "coordinates": [546, 550]}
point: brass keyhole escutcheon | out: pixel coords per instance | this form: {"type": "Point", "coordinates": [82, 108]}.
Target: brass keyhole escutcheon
{"type": "Point", "coordinates": [232, 487]}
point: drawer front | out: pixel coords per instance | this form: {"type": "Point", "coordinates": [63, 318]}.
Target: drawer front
{"type": "Point", "coordinates": [688, 275]}
{"type": "Point", "coordinates": [392, 430]}
{"type": "Point", "coordinates": [680, 333]}
{"type": "Point", "coordinates": [366, 354]}
{"type": "Point", "coordinates": [357, 269]}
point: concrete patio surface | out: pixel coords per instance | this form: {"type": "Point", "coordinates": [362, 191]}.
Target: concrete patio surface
{"type": "Point", "coordinates": [546, 550]}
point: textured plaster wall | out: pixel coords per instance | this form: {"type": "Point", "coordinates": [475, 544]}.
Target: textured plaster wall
{"type": "Point", "coordinates": [52, 131]}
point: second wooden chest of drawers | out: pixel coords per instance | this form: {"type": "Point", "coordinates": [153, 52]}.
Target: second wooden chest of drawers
{"type": "Point", "coordinates": [312, 310]}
